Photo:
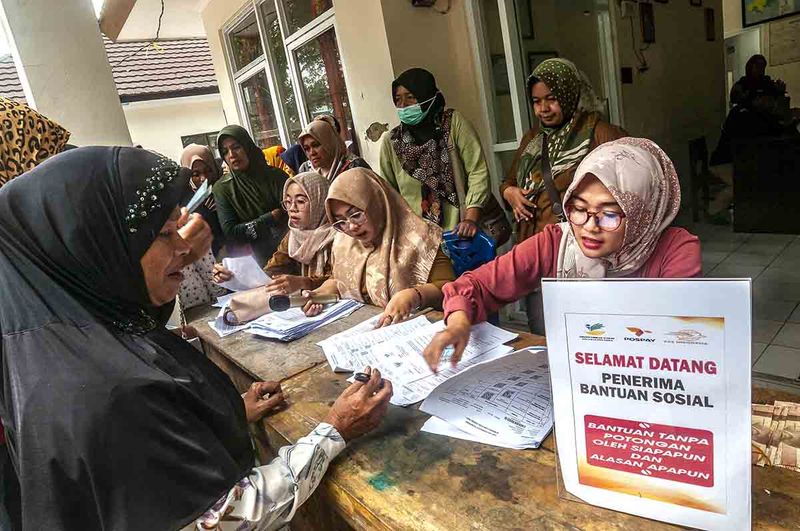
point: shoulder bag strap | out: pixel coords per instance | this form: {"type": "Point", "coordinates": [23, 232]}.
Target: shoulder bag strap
{"type": "Point", "coordinates": [547, 176]}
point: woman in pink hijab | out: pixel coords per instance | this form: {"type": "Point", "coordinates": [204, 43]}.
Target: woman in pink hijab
{"type": "Point", "coordinates": [619, 208]}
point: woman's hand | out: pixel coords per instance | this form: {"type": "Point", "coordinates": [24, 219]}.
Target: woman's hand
{"type": "Point", "coordinates": [221, 274]}
{"type": "Point", "coordinates": [361, 407]}
{"type": "Point", "coordinates": [467, 229]}
{"type": "Point", "coordinates": [400, 307]}
{"type": "Point", "coordinates": [261, 399]}
{"type": "Point", "coordinates": [196, 232]}
{"type": "Point", "coordinates": [288, 284]}
{"type": "Point", "coordinates": [523, 208]}
{"type": "Point", "coordinates": [329, 287]}
{"type": "Point", "coordinates": [456, 335]}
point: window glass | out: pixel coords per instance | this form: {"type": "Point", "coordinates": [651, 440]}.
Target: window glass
{"type": "Point", "coordinates": [245, 42]}
{"type": "Point", "coordinates": [323, 81]}
{"type": "Point", "coordinates": [260, 114]}
{"type": "Point", "coordinates": [301, 12]}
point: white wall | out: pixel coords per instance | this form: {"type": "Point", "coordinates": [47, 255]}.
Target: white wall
{"type": "Point", "coordinates": [682, 94]}
{"type": "Point", "coordinates": [159, 124]}
{"type": "Point", "coordinates": [62, 63]}
{"type": "Point", "coordinates": [181, 20]}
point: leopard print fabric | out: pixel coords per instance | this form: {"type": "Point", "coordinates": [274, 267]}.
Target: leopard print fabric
{"type": "Point", "coordinates": [27, 139]}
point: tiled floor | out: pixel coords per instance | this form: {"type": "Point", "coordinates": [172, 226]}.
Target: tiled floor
{"type": "Point", "coordinates": [773, 262]}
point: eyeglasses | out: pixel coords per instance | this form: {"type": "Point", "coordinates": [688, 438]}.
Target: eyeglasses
{"type": "Point", "coordinates": [605, 220]}
{"type": "Point", "coordinates": [354, 220]}
{"type": "Point", "coordinates": [300, 202]}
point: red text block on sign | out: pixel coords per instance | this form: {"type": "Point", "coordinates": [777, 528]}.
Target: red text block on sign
{"type": "Point", "coordinates": [685, 455]}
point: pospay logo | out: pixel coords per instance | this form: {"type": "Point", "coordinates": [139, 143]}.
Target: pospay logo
{"type": "Point", "coordinates": [596, 332]}
{"type": "Point", "coordinates": [639, 332]}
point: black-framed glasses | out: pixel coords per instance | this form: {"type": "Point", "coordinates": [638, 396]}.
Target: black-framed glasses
{"type": "Point", "coordinates": [606, 220]}
{"type": "Point", "coordinates": [355, 220]}
{"type": "Point", "coordinates": [301, 202]}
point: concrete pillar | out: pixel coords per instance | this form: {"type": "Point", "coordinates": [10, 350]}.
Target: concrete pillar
{"type": "Point", "coordinates": [62, 63]}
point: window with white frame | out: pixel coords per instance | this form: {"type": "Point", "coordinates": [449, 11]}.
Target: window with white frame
{"type": "Point", "coordinates": [284, 60]}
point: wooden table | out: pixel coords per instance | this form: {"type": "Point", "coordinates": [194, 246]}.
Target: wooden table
{"type": "Point", "coordinates": [400, 478]}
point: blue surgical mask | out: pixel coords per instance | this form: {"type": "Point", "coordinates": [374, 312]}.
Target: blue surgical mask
{"type": "Point", "coordinates": [413, 114]}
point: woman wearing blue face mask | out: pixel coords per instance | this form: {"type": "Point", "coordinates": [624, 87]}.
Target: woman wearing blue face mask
{"type": "Point", "coordinates": [435, 160]}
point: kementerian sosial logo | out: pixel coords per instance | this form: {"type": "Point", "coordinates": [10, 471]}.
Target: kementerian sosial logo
{"type": "Point", "coordinates": [595, 332]}
{"type": "Point", "coordinates": [595, 329]}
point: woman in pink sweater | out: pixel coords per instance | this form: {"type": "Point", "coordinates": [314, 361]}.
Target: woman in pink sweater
{"type": "Point", "coordinates": [619, 207]}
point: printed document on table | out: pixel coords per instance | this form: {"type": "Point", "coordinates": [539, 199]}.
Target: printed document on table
{"type": "Point", "coordinates": [437, 426]}
{"type": "Point", "coordinates": [400, 360]}
{"type": "Point", "coordinates": [347, 353]}
{"type": "Point", "coordinates": [360, 328]}
{"type": "Point", "coordinates": [246, 274]}
{"type": "Point", "coordinates": [507, 398]}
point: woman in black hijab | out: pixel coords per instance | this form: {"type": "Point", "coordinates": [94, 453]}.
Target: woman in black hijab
{"type": "Point", "coordinates": [435, 160]}
{"type": "Point", "coordinates": [111, 421]}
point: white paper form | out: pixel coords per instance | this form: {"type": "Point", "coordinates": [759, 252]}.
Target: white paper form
{"type": "Point", "coordinates": [437, 426]}
{"type": "Point", "coordinates": [246, 274]}
{"type": "Point", "coordinates": [223, 301]}
{"type": "Point", "coordinates": [222, 328]}
{"type": "Point", "coordinates": [400, 360]}
{"type": "Point", "coordinates": [360, 328]}
{"type": "Point", "coordinates": [346, 353]}
{"type": "Point", "coordinates": [507, 398]}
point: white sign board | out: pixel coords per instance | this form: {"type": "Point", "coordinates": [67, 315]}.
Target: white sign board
{"type": "Point", "coordinates": [651, 396]}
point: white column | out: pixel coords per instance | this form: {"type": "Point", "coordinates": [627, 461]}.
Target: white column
{"type": "Point", "coordinates": [62, 63]}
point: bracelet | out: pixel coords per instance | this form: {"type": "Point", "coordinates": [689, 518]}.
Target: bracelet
{"type": "Point", "coordinates": [250, 230]}
{"type": "Point", "coordinates": [419, 294]}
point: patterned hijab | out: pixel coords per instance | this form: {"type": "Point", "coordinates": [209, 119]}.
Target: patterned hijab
{"type": "Point", "coordinates": [311, 245]}
{"type": "Point", "coordinates": [402, 258]}
{"type": "Point", "coordinates": [568, 143]}
{"type": "Point", "coordinates": [27, 139]}
{"type": "Point", "coordinates": [323, 132]}
{"type": "Point", "coordinates": [423, 149]}
{"type": "Point", "coordinates": [644, 182]}
{"type": "Point", "coordinates": [191, 154]}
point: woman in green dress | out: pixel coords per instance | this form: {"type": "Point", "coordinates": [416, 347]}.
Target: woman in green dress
{"type": "Point", "coordinates": [249, 197]}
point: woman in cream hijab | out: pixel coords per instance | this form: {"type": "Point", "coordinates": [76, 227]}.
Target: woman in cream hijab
{"type": "Point", "coordinates": [303, 258]}
{"type": "Point", "coordinates": [619, 209]}
{"type": "Point", "coordinates": [384, 254]}
{"type": "Point", "coordinates": [326, 151]}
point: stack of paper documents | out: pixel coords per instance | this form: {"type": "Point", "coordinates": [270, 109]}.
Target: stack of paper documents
{"type": "Point", "coordinates": [289, 325]}
{"type": "Point", "coordinates": [293, 323]}
{"type": "Point", "coordinates": [347, 351]}
{"type": "Point", "coordinates": [503, 402]}
{"type": "Point", "coordinates": [397, 352]}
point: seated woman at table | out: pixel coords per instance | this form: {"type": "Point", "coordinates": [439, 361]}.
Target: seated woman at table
{"type": "Point", "coordinates": [116, 423]}
{"type": "Point", "coordinates": [303, 258]}
{"type": "Point", "coordinates": [249, 197]}
{"type": "Point", "coordinates": [384, 254]}
{"type": "Point", "coordinates": [326, 151]}
{"type": "Point", "coordinates": [619, 208]}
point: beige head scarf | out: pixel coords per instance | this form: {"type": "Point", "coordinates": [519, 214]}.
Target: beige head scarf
{"type": "Point", "coordinates": [643, 181]}
{"type": "Point", "coordinates": [311, 245]}
{"type": "Point", "coordinates": [324, 133]}
{"type": "Point", "coordinates": [404, 254]}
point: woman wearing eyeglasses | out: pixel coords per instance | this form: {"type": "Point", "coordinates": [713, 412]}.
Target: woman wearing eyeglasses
{"type": "Point", "coordinates": [303, 258]}
{"type": "Point", "coordinates": [383, 254]}
{"type": "Point", "coordinates": [619, 208]}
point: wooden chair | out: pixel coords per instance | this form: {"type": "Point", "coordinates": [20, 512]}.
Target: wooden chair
{"type": "Point", "coordinates": [700, 176]}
